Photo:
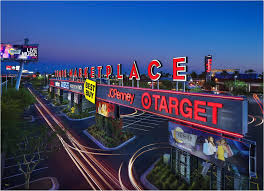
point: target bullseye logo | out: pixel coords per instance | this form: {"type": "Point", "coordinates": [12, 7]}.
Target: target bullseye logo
{"type": "Point", "coordinates": [146, 100]}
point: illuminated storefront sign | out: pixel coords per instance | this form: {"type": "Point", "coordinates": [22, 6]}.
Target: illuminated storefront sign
{"type": "Point", "coordinates": [90, 90]}
{"type": "Point", "coordinates": [78, 87]}
{"type": "Point", "coordinates": [218, 150]}
{"type": "Point", "coordinates": [65, 85]}
{"type": "Point", "coordinates": [105, 109]}
{"type": "Point", "coordinates": [222, 114]}
{"type": "Point", "coordinates": [57, 84]}
{"type": "Point", "coordinates": [179, 69]}
{"type": "Point", "coordinates": [113, 93]}
{"type": "Point", "coordinates": [52, 83]}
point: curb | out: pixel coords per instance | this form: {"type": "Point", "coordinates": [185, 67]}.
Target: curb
{"type": "Point", "coordinates": [55, 183]}
{"type": "Point", "coordinates": [144, 180]}
{"type": "Point", "coordinates": [104, 147]}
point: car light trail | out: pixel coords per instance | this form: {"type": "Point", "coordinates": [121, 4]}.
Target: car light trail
{"type": "Point", "coordinates": [253, 119]}
{"type": "Point", "coordinates": [91, 165]}
{"type": "Point", "coordinates": [260, 122]}
{"type": "Point", "coordinates": [68, 152]}
{"type": "Point", "coordinates": [119, 177]}
{"type": "Point", "coordinates": [77, 161]}
{"type": "Point", "coordinates": [255, 96]}
{"type": "Point", "coordinates": [132, 160]}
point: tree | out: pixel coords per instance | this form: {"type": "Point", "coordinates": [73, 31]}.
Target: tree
{"type": "Point", "coordinates": [224, 73]}
{"type": "Point", "coordinates": [236, 73]}
{"type": "Point", "coordinates": [250, 71]}
{"type": "Point", "coordinates": [193, 75]}
{"type": "Point", "coordinates": [202, 75]}
{"type": "Point", "coordinates": [34, 147]}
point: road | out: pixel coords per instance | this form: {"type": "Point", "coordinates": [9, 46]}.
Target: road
{"type": "Point", "coordinates": [140, 124]}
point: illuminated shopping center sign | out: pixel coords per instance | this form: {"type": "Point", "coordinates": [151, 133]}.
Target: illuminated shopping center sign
{"type": "Point", "coordinates": [222, 114]}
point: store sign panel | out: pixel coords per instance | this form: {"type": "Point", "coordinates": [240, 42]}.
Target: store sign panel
{"type": "Point", "coordinates": [90, 90]}
{"type": "Point", "coordinates": [105, 109]}
{"type": "Point", "coordinates": [76, 87]}
{"type": "Point", "coordinates": [210, 147]}
{"type": "Point", "coordinates": [65, 85]}
{"type": "Point", "coordinates": [223, 114]}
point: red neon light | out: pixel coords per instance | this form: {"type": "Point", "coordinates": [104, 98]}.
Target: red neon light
{"type": "Point", "coordinates": [86, 72]}
{"type": "Point", "coordinates": [181, 120]}
{"type": "Point", "coordinates": [75, 73]}
{"type": "Point", "coordinates": [177, 92]}
{"type": "Point", "coordinates": [119, 69]}
{"type": "Point", "coordinates": [146, 100]}
{"type": "Point", "coordinates": [80, 73]}
{"type": "Point", "coordinates": [177, 68]}
{"type": "Point", "coordinates": [109, 71]}
{"type": "Point", "coordinates": [150, 70]}
{"type": "Point", "coordinates": [188, 111]}
{"type": "Point", "coordinates": [92, 72]}
{"type": "Point", "coordinates": [198, 110]}
{"type": "Point", "coordinates": [99, 68]}
{"type": "Point", "coordinates": [70, 73]}
{"type": "Point", "coordinates": [134, 72]}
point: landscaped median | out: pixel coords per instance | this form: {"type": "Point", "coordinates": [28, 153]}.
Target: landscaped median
{"type": "Point", "coordinates": [108, 132]}
{"type": "Point", "coordinates": [162, 177]}
{"type": "Point", "coordinates": [71, 113]}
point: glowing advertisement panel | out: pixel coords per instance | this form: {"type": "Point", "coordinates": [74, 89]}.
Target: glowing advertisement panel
{"type": "Point", "coordinates": [218, 150]}
{"type": "Point", "coordinates": [105, 109]}
{"type": "Point", "coordinates": [19, 52]}
{"type": "Point", "coordinates": [223, 114]}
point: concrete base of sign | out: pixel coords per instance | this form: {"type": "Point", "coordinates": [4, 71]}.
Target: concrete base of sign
{"type": "Point", "coordinates": [104, 147]}
{"type": "Point", "coordinates": [144, 180]}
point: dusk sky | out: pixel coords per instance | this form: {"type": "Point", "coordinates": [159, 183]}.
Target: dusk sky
{"type": "Point", "coordinates": [79, 34]}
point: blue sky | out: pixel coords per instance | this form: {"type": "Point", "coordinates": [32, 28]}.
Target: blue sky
{"type": "Point", "coordinates": [78, 34]}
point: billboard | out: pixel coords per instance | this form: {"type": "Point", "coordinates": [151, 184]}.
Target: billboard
{"type": "Point", "coordinates": [105, 109]}
{"type": "Point", "coordinates": [223, 114]}
{"type": "Point", "coordinates": [19, 52]}
{"type": "Point", "coordinates": [219, 113]}
{"type": "Point", "coordinates": [218, 150]}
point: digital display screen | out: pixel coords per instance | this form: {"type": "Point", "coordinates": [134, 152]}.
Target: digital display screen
{"type": "Point", "coordinates": [19, 52]}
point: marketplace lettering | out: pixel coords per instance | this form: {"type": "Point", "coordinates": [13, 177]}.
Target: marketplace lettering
{"type": "Point", "coordinates": [178, 68]}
